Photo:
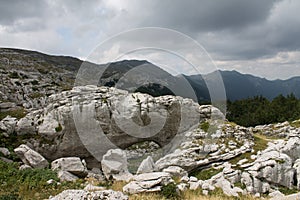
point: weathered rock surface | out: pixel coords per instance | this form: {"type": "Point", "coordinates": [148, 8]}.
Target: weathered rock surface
{"type": "Point", "coordinates": [66, 176]}
{"type": "Point", "coordinates": [114, 165]}
{"type": "Point", "coordinates": [70, 164]}
{"type": "Point", "coordinates": [95, 195]}
{"type": "Point", "coordinates": [31, 157]}
{"type": "Point", "coordinates": [146, 166]}
{"type": "Point", "coordinates": [123, 117]}
{"type": "Point", "coordinates": [147, 182]}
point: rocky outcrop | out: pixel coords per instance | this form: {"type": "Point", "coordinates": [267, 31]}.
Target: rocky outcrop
{"type": "Point", "coordinates": [202, 148]}
{"type": "Point", "coordinates": [94, 195]}
{"type": "Point", "coordinates": [114, 165]}
{"type": "Point", "coordinates": [73, 120]}
{"type": "Point", "coordinates": [31, 157]}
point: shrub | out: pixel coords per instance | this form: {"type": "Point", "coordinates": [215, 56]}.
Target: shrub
{"type": "Point", "coordinates": [59, 128]}
{"type": "Point", "coordinates": [169, 191]}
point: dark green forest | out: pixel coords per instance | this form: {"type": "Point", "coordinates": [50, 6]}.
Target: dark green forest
{"type": "Point", "coordinates": [259, 110]}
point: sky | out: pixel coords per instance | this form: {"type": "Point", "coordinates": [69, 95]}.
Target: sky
{"type": "Point", "coordinates": [257, 37]}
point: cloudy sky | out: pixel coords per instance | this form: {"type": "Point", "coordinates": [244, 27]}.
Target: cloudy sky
{"type": "Point", "coordinates": [257, 37]}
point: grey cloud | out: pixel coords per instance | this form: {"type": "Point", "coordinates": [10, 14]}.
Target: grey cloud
{"type": "Point", "coordinates": [207, 15]}
{"type": "Point", "coordinates": [13, 10]}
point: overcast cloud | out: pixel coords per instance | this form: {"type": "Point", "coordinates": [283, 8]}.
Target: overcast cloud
{"type": "Point", "coordinates": [257, 37]}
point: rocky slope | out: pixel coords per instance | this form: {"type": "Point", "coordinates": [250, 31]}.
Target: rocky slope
{"type": "Point", "coordinates": [207, 152]}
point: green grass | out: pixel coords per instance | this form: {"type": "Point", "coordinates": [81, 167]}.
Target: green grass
{"type": "Point", "coordinates": [287, 191]}
{"type": "Point", "coordinates": [30, 183]}
{"type": "Point", "coordinates": [260, 142]}
{"type": "Point", "coordinates": [18, 113]}
{"type": "Point", "coordinates": [36, 95]}
{"type": "Point", "coordinates": [206, 174]}
{"type": "Point", "coordinates": [204, 126]}
{"type": "Point", "coordinates": [295, 124]}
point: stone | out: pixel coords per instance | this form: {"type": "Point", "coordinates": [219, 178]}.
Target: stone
{"type": "Point", "coordinates": [182, 187]}
{"type": "Point", "coordinates": [49, 127]}
{"type": "Point", "coordinates": [193, 179]}
{"type": "Point", "coordinates": [50, 181]}
{"type": "Point", "coordinates": [227, 188]}
{"type": "Point", "coordinates": [70, 164]}
{"type": "Point", "coordinates": [296, 166]}
{"type": "Point", "coordinates": [31, 157]}
{"type": "Point", "coordinates": [175, 171]}
{"type": "Point", "coordinates": [66, 176]}
{"type": "Point", "coordinates": [94, 195]}
{"type": "Point", "coordinates": [205, 192]}
{"type": "Point", "coordinates": [25, 126]}
{"type": "Point", "coordinates": [23, 167]}
{"type": "Point", "coordinates": [114, 165]}
{"type": "Point", "coordinates": [195, 185]}
{"type": "Point", "coordinates": [147, 182]}
{"type": "Point", "coordinates": [8, 124]}
{"type": "Point", "coordinates": [4, 151]}
{"type": "Point", "coordinates": [185, 179]}
{"type": "Point", "coordinates": [276, 194]}
{"type": "Point", "coordinates": [90, 187]}
{"type": "Point", "coordinates": [117, 111]}
{"type": "Point", "coordinates": [146, 166]}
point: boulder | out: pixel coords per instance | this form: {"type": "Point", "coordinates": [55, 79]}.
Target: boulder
{"type": "Point", "coordinates": [26, 126]}
{"type": "Point", "coordinates": [148, 182]}
{"type": "Point", "coordinates": [227, 188]}
{"type": "Point", "coordinates": [94, 195]}
{"type": "Point", "coordinates": [146, 166]}
{"type": "Point", "coordinates": [4, 151]}
{"type": "Point", "coordinates": [72, 119]}
{"type": "Point", "coordinates": [31, 157]}
{"type": "Point", "coordinates": [114, 165]}
{"type": "Point", "coordinates": [8, 124]}
{"type": "Point", "coordinates": [70, 164]}
{"type": "Point", "coordinates": [175, 171]}
{"type": "Point", "coordinates": [66, 176]}
{"type": "Point", "coordinates": [296, 166]}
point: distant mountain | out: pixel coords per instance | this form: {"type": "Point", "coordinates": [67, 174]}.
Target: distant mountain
{"type": "Point", "coordinates": [240, 86]}
{"type": "Point", "coordinates": [56, 73]}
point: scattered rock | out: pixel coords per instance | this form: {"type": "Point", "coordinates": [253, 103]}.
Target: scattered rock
{"type": "Point", "coordinates": [146, 166]}
{"type": "Point", "coordinates": [114, 165]}
{"type": "Point", "coordinates": [4, 151]}
{"type": "Point", "coordinates": [148, 182]}
{"type": "Point", "coordinates": [31, 157]}
{"type": "Point", "coordinates": [95, 195]}
{"type": "Point", "coordinates": [70, 164]}
{"type": "Point", "coordinates": [66, 176]}
{"type": "Point", "coordinates": [175, 171]}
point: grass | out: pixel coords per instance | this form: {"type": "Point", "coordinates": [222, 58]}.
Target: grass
{"type": "Point", "coordinates": [18, 113]}
{"type": "Point", "coordinates": [36, 95]}
{"type": "Point", "coordinates": [204, 126]}
{"type": "Point", "coordinates": [260, 142]}
{"type": "Point", "coordinates": [30, 183]}
{"type": "Point", "coordinates": [295, 123]}
{"type": "Point", "coordinates": [287, 191]}
{"type": "Point", "coordinates": [206, 174]}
